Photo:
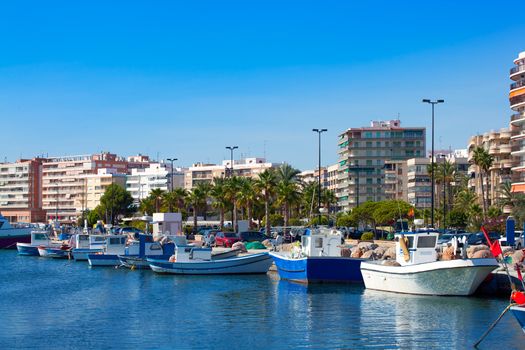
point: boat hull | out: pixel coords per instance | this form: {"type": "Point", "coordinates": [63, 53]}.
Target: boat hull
{"type": "Point", "coordinates": [250, 264]}
{"type": "Point", "coordinates": [454, 277]}
{"type": "Point", "coordinates": [81, 254]}
{"type": "Point", "coordinates": [519, 314]}
{"type": "Point", "coordinates": [56, 253]}
{"type": "Point", "coordinates": [27, 249]}
{"type": "Point", "coordinates": [136, 262]}
{"type": "Point", "coordinates": [9, 241]}
{"type": "Point", "coordinates": [103, 260]}
{"type": "Point", "coordinates": [318, 269]}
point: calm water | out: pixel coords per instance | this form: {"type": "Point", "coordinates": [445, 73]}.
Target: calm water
{"type": "Point", "coordinates": [60, 303]}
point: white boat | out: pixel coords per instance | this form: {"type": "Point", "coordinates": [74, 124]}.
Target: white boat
{"type": "Point", "coordinates": [38, 239]}
{"type": "Point", "coordinates": [138, 251]}
{"type": "Point", "coordinates": [115, 246]}
{"type": "Point", "coordinates": [189, 260]}
{"type": "Point", "coordinates": [87, 244]}
{"type": "Point", "coordinates": [419, 272]}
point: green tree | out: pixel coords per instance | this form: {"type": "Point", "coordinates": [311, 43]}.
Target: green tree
{"type": "Point", "coordinates": [116, 201]}
{"type": "Point", "coordinates": [220, 198]}
{"type": "Point", "coordinates": [158, 196]}
{"type": "Point", "coordinates": [197, 199]}
{"type": "Point", "coordinates": [147, 206]}
{"type": "Point", "coordinates": [246, 197]}
{"type": "Point", "coordinates": [265, 185]}
{"type": "Point", "coordinates": [484, 161]}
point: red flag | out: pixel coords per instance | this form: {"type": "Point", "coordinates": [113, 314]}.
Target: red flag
{"type": "Point", "coordinates": [411, 212]}
{"type": "Point", "coordinates": [495, 248]}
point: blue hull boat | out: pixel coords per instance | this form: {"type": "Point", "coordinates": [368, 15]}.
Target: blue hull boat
{"type": "Point", "coordinates": [103, 260]}
{"type": "Point", "coordinates": [27, 249]}
{"type": "Point", "coordinates": [318, 269]}
{"type": "Point", "coordinates": [519, 313]}
{"type": "Point", "coordinates": [81, 254]}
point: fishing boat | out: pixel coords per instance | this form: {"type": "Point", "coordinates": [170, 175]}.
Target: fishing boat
{"type": "Point", "coordinates": [318, 260]}
{"type": "Point", "coordinates": [115, 246]}
{"type": "Point", "coordinates": [87, 244]}
{"type": "Point", "coordinates": [190, 260]}
{"type": "Point", "coordinates": [61, 252]}
{"type": "Point", "coordinates": [138, 251]}
{"type": "Point", "coordinates": [38, 238]}
{"type": "Point", "coordinates": [418, 270]}
{"type": "Point", "coordinates": [519, 313]}
{"type": "Point", "coordinates": [11, 235]}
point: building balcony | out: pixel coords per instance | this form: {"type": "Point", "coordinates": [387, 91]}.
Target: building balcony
{"type": "Point", "coordinates": [518, 101]}
{"type": "Point", "coordinates": [505, 148]}
{"type": "Point", "coordinates": [516, 71]}
{"type": "Point", "coordinates": [494, 150]}
{"type": "Point", "coordinates": [518, 84]}
{"type": "Point", "coordinates": [517, 119]}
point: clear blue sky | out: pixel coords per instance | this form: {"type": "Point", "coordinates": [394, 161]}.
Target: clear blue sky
{"type": "Point", "coordinates": [186, 78]}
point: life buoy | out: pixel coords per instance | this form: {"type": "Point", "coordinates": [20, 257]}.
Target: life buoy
{"type": "Point", "coordinates": [403, 242]}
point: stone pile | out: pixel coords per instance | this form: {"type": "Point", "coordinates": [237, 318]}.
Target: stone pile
{"type": "Point", "coordinates": [367, 250]}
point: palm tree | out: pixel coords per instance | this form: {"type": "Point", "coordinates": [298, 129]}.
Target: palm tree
{"type": "Point", "coordinates": [181, 194]}
{"type": "Point", "coordinates": [506, 198]}
{"type": "Point", "coordinates": [169, 201]}
{"type": "Point", "coordinates": [232, 187]}
{"type": "Point", "coordinates": [265, 184]}
{"type": "Point", "coordinates": [197, 199]}
{"type": "Point", "coordinates": [446, 174]}
{"type": "Point", "coordinates": [484, 161]}
{"type": "Point", "coordinates": [309, 193]}
{"type": "Point", "coordinates": [147, 205]}
{"type": "Point", "coordinates": [247, 196]}
{"type": "Point", "coordinates": [220, 198]}
{"type": "Point", "coordinates": [328, 198]}
{"type": "Point", "coordinates": [287, 194]}
{"type": "Point", "coordinates": [157, 195]}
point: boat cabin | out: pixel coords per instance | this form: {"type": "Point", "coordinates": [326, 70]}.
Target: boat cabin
{"type": "Point", "coordinates": [145, 246]}
{"type": "Point", "coordinates": [40, 238]}
{"type": "Point", "coordinates": [421, 247]}
{"type": "Point", "coordinates": [321, 242]}
{"type": "Point", "coordinates": [188, 253]}
{"type": "Point", "coordinates": [115, 244]}
{"type": "Point", "coordinates": [97, 241]}
{"type": "Point", "coordinates": [81, 241]}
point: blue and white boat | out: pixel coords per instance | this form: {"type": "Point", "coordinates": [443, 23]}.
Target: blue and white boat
{"type": "Point", "coordinates": [38, 238]}
{"type": "Point", "coordinates": [318, 260]}
{"type": "Point", "coordinates": [115, 246]}
{"type": "Point", "coordinates": [519, 312]}
{"type": "Point", "coordinates": [137, 252]}
{"type": "Point", "coordinates": [190, 260]}
{"type": "Point", "coordinates": [62, 252]}
{"type": "Point", "coordinates": [88, 244]}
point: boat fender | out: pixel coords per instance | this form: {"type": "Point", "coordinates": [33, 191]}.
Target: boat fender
{"type": "Point", "coordinates": [173, 258]}
{"type": "Point", "coordinates": [518, 297]}
{"type": "Point", "coordinates": [403, 242]}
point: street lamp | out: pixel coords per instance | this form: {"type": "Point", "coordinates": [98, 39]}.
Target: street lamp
{"type": "Point", "coordinates": [319, 132]}
{"type": "Point", "coordinates": [433, 103]}
{"type": "Point", "coordinates": [231, 148]}
{"type": "Point", "coordinates": [172, 160]}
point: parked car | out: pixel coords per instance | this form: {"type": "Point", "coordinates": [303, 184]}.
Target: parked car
{"type": "Point", "coordinates": [252, 236]}
{"type": "Point", "coordinates": [518, 240]}
{"type": "Point", "coordinates": [226, 239]}
{"type": "Point", "coordinates": [479, 238]}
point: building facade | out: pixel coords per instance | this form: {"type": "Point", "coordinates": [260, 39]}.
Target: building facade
{"type": "Point", "coordinates": [20, 190]}
{"type": "Point", "coordinates": [517, 123]}
{"type": "Point", "coordinates": [141, 181]}
{"type": "Point", "coordinates": [362, 156]}
{"type": "Point", "coordinates": [204, 173]}
{"type": "Point", "coordinates": [396, 185]}
{"type": "Point", "coordinates": [96, 185]}
{"type": "Point", "coordinates": [497, 144]}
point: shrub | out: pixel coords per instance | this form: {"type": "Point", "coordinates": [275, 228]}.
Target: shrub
{"type": "Point", "coordinates": [367, 236]}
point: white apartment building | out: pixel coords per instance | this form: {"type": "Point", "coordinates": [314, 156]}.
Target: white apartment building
{"type": "Point", "coordinates": [96, 185]}
{"type": "Point", "coordinates": [248, 167]}
{"type": "Point", "coordinates": [157, 176]}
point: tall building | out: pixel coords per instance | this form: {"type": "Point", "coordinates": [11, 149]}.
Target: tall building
{"type": "Point", "coordinates": [64, 182]}
{"type": "Point", "coordinates": [396, 180]}
{"type": "Point", "coordinates": [96, 185]}
{"type": "Point", "coordinates": [202, 173]}
{"type": "Point", "coordinates": [156, 176]}
{"type": "Point", "coordinates": [20, 190]}
{"type": "Point", "coordinates": [517, 104]}
{"type": "Point", "coordinates": [497, 144]}
{"type": "Point", "coordinates": [362, 156]}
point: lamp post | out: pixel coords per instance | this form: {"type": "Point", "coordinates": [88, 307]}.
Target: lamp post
{"type": "Point", "coordinates": [172, 160]}
{"type": "Point", "coordinates": [433, 103]}
{"type": "Point", "coordinates": [231, 148]}
{"type": "Point", "coordinates": [319, 132]}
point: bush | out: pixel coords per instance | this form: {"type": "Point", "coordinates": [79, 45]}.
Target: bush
{"type": "Point", "coordinates": [315, 221]}
{"type": "Point", "coordinates": [346, 220]}
{"type": "Point", "coordinates": [367, 236]}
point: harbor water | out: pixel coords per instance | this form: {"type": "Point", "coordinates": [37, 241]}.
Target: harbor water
{"type": "Point", "coordinates": [48, 303]}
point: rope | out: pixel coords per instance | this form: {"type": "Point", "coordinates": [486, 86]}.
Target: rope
{"type": "Point", "coordinates": [493, 325]}
{"type": "Point", "coordinates": [10, 246]}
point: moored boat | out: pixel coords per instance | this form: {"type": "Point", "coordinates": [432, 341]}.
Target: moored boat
{"type": "Point", "coordinates": [62, 252]}
{"type": "Point", "coordinates": [189, 260]}
{"type": "Point", "coordinates": [115, 246]}
{"type": "Point", "coordinates": [11, 235]}
{"type": "Point", "coordinates": [87, 244]}
{"type": "Point", "coordinates": [519, 313]}
{"type": "Point", "coordinates": [137, 252]}
{"type": "Point", "coordinates": [318, 260]}
{"type": "Point", "coordinates": [38, 239]}
{"type": "Point", "coordinates": [417, 270]}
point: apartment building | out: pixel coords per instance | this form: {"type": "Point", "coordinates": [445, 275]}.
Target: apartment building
{"type": "Point", "coordinates": [141, 181]}
{"type": "Point", "coordinates": [64, 182]}
{"type": "Point", "coordinates": [497, 144]}
{"type": "Point", "coordinates": [517, 122]}
{"type": "Point", "coordinates": [204, 173]}
{"type": "Point", "coordinates": [362, 155]}
{"type": "Point", "coordinates": [20, 190]}
{"type": "Point", "coordinates": [96, 185]}
{"type": "Point", "coordinates": [396, 180]}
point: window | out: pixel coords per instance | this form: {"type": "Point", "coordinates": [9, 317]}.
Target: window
{"type": "Point", "coordinates": [426, 241]}
{"type": "Point", "coordinates": [318, 242]}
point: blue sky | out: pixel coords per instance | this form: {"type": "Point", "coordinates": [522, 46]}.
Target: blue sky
{"type": "Point", "coordinates": [186, 78]}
